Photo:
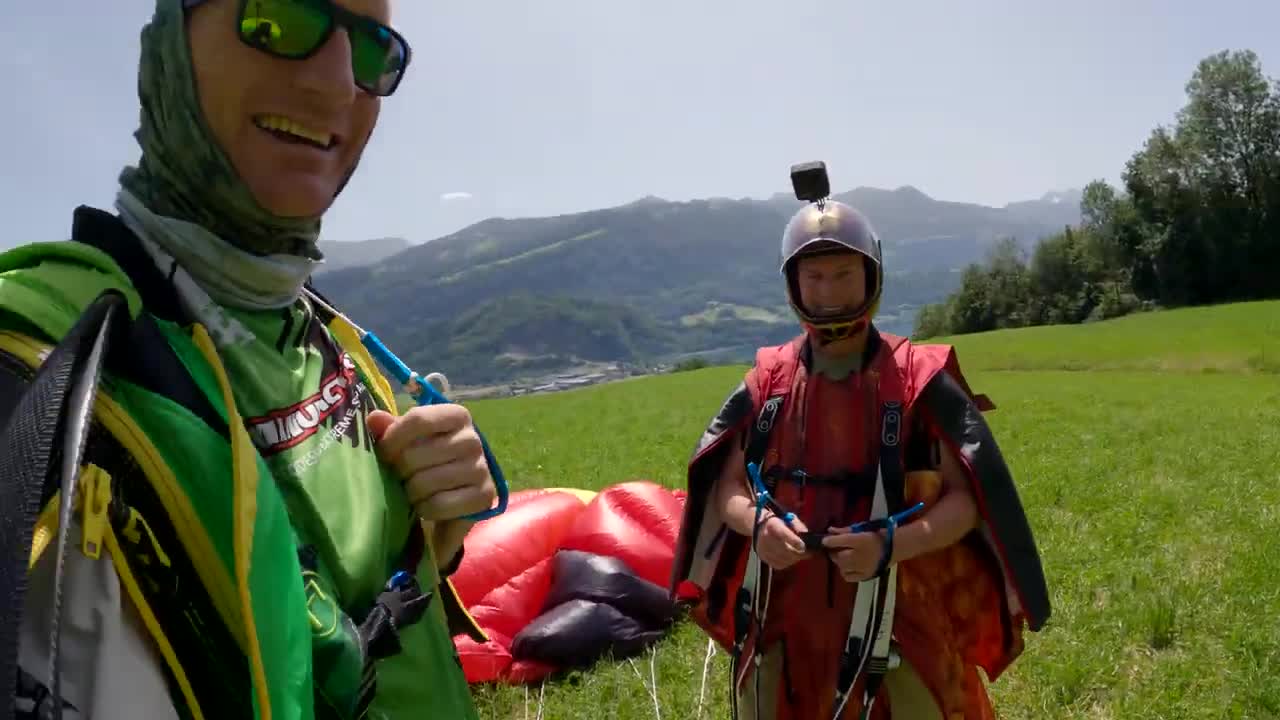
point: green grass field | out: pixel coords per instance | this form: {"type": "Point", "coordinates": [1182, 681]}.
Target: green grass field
{"type": "Point", "coordinates": [1147, 453]}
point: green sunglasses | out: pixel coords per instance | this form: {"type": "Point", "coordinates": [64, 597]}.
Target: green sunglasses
{"type": "Point", "coordinates": [296, 29]}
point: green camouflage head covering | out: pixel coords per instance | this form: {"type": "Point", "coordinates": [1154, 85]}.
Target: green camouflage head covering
{"type": "Point", "coordinates": [183, 172]}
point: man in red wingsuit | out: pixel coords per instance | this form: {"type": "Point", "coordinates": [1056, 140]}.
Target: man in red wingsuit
{"type": "Point", "coordinates": [846, 424]}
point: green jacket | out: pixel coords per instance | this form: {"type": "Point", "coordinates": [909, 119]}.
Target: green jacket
{"type": "Point", "coordinates": [262, 630]}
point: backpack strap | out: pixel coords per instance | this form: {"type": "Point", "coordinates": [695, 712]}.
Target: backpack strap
{"type": "Point", "coordinates": [152, 364]}
{"type": "Point", "coordinates": [758, 435]}
{"type": "Point", "coordinates": [138, 353]}
{"type": "Point", "coordinates": [43, 441]}
{"type": "Point", "coordinates": [772, 373]}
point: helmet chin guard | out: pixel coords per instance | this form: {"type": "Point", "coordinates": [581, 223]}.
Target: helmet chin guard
{"type": "Point", "coordinates": [826, 333]}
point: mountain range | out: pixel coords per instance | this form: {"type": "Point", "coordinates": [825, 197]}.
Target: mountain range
{"type": "Point", "coordinates": [339, 255]}
{"type": "Point", "coordinates": [646, 282]}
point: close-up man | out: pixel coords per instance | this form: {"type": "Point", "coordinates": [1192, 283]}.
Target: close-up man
{"type": "Point", "coordinates": [237, 548]}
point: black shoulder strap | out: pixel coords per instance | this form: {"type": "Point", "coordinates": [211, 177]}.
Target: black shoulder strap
{"type": "Point", "coordinates": [758, 435]}
{"type": "Point", "coordinates": [108, 233]}
{"type": "Point", "coordinates": [43, 441]}
{"type": "Point", "coordinates": [891, 455]}
{"type": "Point", "coordinates": [151, 363]}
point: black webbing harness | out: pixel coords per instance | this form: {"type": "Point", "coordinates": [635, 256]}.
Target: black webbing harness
{"type": "Point", "coordinates": [867, 647]}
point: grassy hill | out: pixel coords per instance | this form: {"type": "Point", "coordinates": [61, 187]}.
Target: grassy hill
{"type": "Point", "coordinates": [342, 254]}
{"type": "Point", "coordinates": [677, 264]}
{"type": "Point", "coordinates": [1146, 452]}
{"type": "Point", "coordinates": [1225, 338]}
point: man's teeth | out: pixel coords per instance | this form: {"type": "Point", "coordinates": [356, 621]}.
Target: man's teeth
{"type": "Point", "coordinates": [283, 124]}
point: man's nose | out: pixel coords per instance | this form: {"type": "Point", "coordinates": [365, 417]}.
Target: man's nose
{"type": "Point", "coordinates": [327, 73]}
{"type": "Point", "coordinates": [826, 290]}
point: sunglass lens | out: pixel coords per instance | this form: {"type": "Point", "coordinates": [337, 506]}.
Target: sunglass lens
{"type": "Point", "coordinates": [295, 28]}
{"type": "Point", "coordinates": [378, 57]}
{"type": "Point", "coordinates": [288, 28]}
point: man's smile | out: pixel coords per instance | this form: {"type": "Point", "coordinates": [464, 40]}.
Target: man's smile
{"type": "Point", "coordinates": [293, 131]}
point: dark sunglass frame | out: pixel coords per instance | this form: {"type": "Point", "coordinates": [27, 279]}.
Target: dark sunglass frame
{"type": "Point", "coordinates": [338, 17]}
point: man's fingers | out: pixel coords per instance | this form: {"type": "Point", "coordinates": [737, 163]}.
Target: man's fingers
{"type": "Point", "coordinates": [788, 538]}
{"type": "Point", "coordinates": [378, 422]}
{"type": "Point", "coordinates": [439, 450]}
{"type": "Point", "coordinates": [845, 540]}
{"type": "Point", "coordinates": [846, 561]}
{"type": "Point", "coordinates": [420, 422]}
{"type": "Point", "coordinates": [456, 502]}
{"type": "Point", "coordinates": [423, 485]}
{"type": "Point", "coordinates": [853, 577]}
{"type": "Point", "coordinates": [841, 559]}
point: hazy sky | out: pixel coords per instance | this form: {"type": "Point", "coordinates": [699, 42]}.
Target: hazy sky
{"type": "Point", "coordinates": [536, 108]}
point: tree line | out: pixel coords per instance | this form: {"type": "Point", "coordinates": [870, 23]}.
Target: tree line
{"type": "Point", "coordinates": [1196, 222]}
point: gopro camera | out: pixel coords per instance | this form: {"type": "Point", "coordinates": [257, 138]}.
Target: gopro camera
{"type": "Point", "coordinates": [810, 181]}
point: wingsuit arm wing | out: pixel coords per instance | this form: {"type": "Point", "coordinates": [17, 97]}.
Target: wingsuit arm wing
{"type": "Point", "coordinates": [705, 467]}
{"type": "Point", "coordinates": [736, 408]}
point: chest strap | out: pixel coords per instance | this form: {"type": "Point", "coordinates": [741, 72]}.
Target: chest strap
{"type": "Point", "coordinates": [873, 609]}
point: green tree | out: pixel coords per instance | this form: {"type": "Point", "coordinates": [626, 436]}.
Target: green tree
{"type": "Point", "coordinates": [1058, 281]}
{"type": "Point", "coordinates": [1197, 221]}
{"type": "Point", "coordinates": [932, 320]}
{"type": "Point", "coordinates": [1010, 286]}
{"type": "Point", "coordinates": [1204, 189]}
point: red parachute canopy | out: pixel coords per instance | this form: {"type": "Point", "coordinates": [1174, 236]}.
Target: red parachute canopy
{"type": "Point", "coordinates": [565, 575]}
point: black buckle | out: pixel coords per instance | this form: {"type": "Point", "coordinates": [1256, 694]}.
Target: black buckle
{"type": "Point", "coordinates": [400, 605]}
{"type": "Point", "coordinates": [813, 540]}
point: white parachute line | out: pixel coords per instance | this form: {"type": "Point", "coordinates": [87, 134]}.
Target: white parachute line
{"type": "Point", "coordinates": [653, 692]}
{"type": "Point", "coordinates": [843, 702]}
{"type": "Point", "coordinates": [636, 670]}
{"type": "Point", "coordinates": [542, 692]}
{"type": "Point", "coordinates": [653, 676]}
{"type": "Point", "coordinates": [706, 668]}
{"type": "Point", "coordinates": [526, 702]}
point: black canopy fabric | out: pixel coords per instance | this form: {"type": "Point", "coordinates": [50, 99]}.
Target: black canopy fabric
{"type": "Point", "coordinates": [597, 607]}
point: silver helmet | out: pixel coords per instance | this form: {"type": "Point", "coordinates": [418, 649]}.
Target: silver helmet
{"type": "Point", "coordinates": [828, 226]}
